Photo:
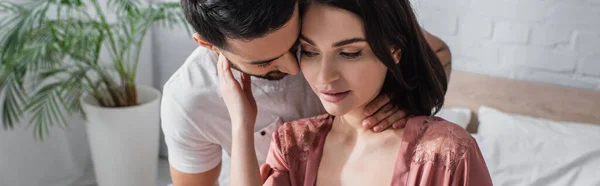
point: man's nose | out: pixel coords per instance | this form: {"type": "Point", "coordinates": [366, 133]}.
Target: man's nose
{"type": "Point", "coordinates": [289, 64]}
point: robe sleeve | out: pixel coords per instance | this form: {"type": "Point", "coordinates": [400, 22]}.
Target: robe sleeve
{"type": "Point", "coordinates": [276, 172]}
{"type": "Point", "coordinates": [471, 170]}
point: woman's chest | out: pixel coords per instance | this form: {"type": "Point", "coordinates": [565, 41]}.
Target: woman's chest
{"type": "Point", "coordinates": [357, 166]}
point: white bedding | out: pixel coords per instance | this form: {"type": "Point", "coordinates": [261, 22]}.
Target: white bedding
{"type": "Point", "coordinates": [459, 115]}
{"type": "Point", "coordinates": [527, 160]}
{"type": "Point", "coordinates": [522, 150]}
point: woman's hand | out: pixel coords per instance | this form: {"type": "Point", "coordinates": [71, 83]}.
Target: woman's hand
{"type": "Point", "coordinates": [238, 97]}
{"type": "Point", "coordinates": [242, 111]}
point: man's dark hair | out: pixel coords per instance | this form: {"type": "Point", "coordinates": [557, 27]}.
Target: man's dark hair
{"type": "Point", "coordinates": [216, 20]}
{"type": "Point", "coordinates": [418, 83]}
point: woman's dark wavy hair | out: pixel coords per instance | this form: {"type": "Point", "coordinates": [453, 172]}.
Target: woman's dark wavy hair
{"type": "Point", "coordinates": [418, 83]}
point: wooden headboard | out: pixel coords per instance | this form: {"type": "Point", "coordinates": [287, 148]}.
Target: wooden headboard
{"type": "Point", "coordinates": [520, 97]}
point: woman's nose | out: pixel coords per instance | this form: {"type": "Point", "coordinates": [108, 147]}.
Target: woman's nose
{"type": "Point", "coordinates": [328, 72]}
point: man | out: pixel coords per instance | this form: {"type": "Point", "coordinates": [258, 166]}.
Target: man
{"type": "Point", "coordinates": [258, 37]}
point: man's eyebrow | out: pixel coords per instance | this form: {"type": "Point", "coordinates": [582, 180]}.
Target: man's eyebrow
{"type": "Point", "coordinates": [266, 61]}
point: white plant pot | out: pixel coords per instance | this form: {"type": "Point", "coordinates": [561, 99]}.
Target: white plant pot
{"type": "Point", "coordinates": [124, 141]}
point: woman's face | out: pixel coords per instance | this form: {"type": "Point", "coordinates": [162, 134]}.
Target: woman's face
{"type": "Point", "coordinates": [337, 61]}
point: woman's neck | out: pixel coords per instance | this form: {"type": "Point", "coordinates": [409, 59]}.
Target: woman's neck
{"type": "Point", "coordinates": [350, 125]}
{"type": "Point", "coordinates": [348, 129]}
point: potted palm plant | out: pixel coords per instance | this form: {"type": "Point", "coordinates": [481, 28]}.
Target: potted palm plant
{"type": "Point", "coordinates": [63, 57]}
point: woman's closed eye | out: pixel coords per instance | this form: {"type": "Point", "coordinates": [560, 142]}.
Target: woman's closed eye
{"type": "Point", "coordinates": [351, 55]}
{"type": "Point", "coordinates": [308, 54]}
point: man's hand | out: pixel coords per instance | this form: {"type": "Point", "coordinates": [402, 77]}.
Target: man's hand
{"type": "Point", "coordinates": [441, 50]}
{"type": "Point", "coordinates": [382, 114]}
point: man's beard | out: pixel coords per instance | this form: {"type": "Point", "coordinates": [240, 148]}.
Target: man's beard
{"type": "Point", "coordinates": [271, 76]}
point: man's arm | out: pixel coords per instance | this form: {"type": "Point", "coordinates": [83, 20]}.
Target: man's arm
{"type": "Point", "coordinates": [441, 51]}
{"type": "Point", "coordinates": [208, 178]}
{"type": "Point", "coordinates": [194, 160]}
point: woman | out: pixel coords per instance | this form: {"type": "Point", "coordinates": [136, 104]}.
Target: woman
{"type": "Point", "coordinates": [353, 51]}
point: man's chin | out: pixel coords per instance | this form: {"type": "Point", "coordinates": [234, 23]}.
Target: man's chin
{"type": "Point", "coordinates": [272, 78]}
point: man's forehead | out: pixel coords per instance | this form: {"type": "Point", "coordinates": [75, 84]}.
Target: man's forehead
{"type": "Point", "coordinates": [270, 46]}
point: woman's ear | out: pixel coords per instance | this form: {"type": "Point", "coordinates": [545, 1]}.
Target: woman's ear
{"type": "Point", "coordinates": [397, 54]}
{"type": "Point", "coordinates": [202, 42]}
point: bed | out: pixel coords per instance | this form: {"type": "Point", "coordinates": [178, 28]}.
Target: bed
{"type": "Point", "coordinates": [530, 133]}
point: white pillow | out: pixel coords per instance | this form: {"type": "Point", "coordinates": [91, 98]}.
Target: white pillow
{"type": "Point", "coordinates": [495, 122]}
{"type": "Point", "coordinates": [534, 160]}
{"type": "Point", "coordinates": [524, 150]}
{"type": "Point", "coordinates": [460, 116]}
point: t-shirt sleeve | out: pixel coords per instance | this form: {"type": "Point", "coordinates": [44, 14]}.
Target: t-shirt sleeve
{"type": "Point", "coordinates": [471, 169]}
{"type": "Point", "coordinates": [190, 151]}
{"type": "Point", "coordinates": [278, 173]}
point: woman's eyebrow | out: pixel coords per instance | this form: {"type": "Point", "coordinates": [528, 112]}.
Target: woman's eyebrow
{"type": "Point", "coordinates": [349, 41]}
{"type": "Point", "coordinates": [336, 44]}
{"type": "Point", "coordinates": [309, 41]}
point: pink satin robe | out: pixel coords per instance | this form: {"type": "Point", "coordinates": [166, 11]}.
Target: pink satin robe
{"type": "Point", "coordinates": [433, 152]}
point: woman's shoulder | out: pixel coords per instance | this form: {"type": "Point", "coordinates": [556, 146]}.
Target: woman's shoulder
{"type": "Point", "coordinates": [439, 127]}
{"type": "Point", "coordinates": [300, 134]}
{"type": "Point", "coordinates": [441, 142]}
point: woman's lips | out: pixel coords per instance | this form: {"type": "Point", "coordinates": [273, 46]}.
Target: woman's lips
{"type": "Point", "coordinates": [332, 96]}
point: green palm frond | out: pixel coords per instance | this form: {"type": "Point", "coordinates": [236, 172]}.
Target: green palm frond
{"type": "Point", "coordinates": [67, 3]}
{"type": "Point", "coordinates": [124, 6]}
{"type": "Point", "coordinates": [14, 97]}
{"type": "Point", "coordinates": [50, 55]}
{"type": "Point", "coordinates": [168, 13]}
{"type": "Point", "coordinates": [45, 109]}
{"type": "Point", "coordinates": [70, 94]}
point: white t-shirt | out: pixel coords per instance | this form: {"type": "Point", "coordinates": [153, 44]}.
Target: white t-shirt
{"type": "Point", "coordinates": [195, 120]}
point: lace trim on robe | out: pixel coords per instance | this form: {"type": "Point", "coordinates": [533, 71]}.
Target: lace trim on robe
{"type": "Point", "coordinates": [297, 137]}
{"type": "Point", "coordinates": [441, 143]}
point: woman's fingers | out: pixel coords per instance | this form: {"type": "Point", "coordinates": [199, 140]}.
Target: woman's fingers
{"type": "Point", "coordinates": [265, 172]}
{"type": "Point", "coordinates": [225, 75]}
{"type": "Point", "coordinates": [220, 69]}
{"type": "Point", "coordinates": [247, 84]}
{"type": "Point", "coordinates": [227, 70]}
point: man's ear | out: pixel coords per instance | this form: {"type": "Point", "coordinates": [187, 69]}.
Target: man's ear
{"type": "Point", "coordinates": [202, 42]}
{"type": "Point", "coordinates": [397, 54]}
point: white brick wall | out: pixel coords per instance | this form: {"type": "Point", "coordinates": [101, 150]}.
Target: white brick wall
{"type": "Point", "coordinates": [538, 58]}
{"type": "Point", "coordinates": [477, 27]}
{"type": "Point", "coordinates": [587, 43]}
{"type": "Point", "coordinates": [547, 41]}
{"type": "Point", "coordinates": [508, 33]}
{"type": "Point", "coordinates": [550, 36]}
{"type": "Point", "coordinates": [590, 66]}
